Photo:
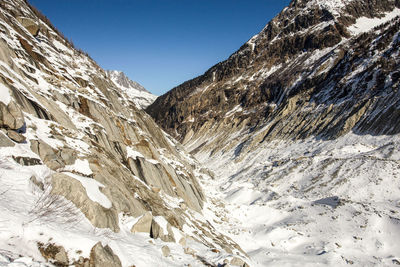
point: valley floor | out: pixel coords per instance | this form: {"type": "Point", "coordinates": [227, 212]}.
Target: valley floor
{"type": "Point", "coordinates": [311, 202]}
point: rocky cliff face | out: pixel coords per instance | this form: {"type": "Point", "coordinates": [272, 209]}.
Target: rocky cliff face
{"type": "Point", "coordinates": [79, 159]}
{"type": "Point", "coordinates": [307, 66]}
{"type": "Point", "coordinates": [300, 126]}
{"type": "Point", "coordinates": [138, 94]}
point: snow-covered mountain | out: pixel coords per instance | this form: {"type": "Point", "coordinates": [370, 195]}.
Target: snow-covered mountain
{"type": "Point", "coordinates": [138, 94]}
{"type": "Point", "coordinates": [301, 127]}
{"type": "Point", "coordinates": [87, 178]}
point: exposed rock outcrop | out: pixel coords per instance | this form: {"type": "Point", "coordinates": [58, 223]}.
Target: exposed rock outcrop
{"type": "Point", "coordinates": [310, 72]}
{"type": "Point", "coordinates": [31, 25]}
{"type": "Point", "coordinates": [5, 141]}
{"type": "Point", "coordinates": [103, 257]}
{"type": "Point", "coordinates": [11, 116]}
{"type": "Point", "coordinates": [143, 225]}
{"type": "Point", "coordinates": [79, 138]}
{"type": "Point", "coordinates": [54, 254]}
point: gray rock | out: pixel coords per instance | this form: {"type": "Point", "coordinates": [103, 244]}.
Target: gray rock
{"type": "Point", "coordinates": [11, 116]}
{"type": "Point", "coordinates": [16, 137]}
{"type": "Point", "coordinates": [27, 161]}
{"type": "Point", "coordinates": [238, 262]}
{"type": "Point", "coordinates": [68, 156]}
{"type": "Point", "coordinates": [190, 251]}
{"type": "Point", "coordinates": [82, 262]}
{"type": "Point", "coordinates": [36, 182]}
{"type": "Point", "coordinates": [48, 155]}
{"type": "Point", "coordinates": [5, 141]}
{"type": "Point", "coordinates": [29, 24]}
{"type": "Point", "coordinates": [143, 225]}
{"type": "Point", "coordinates": [165, 251]}
{"type": "Point", "coordinates": [54, 253]}
{"type": "Point", "coordinates": [328, 201]}
{"type": "Point", "coordinates": [158, 232]}
{"type": "Point", "coordinates": [73, 190]}
{"type": "Point", "coordinates": [61, 256]}
{"type": "Point", "coordinates": [103, 257]}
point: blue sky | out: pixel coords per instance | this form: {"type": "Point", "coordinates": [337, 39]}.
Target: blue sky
{"type": "Point", "coordinates": [159, 43]}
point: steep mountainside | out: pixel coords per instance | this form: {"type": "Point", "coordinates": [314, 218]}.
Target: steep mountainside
{"type": "Point", "coordinates": [87, 178]}
{"type": "Point", "coordinates": [301, 127]}
{"type": "Point", "coordinates": [313, 59]}
{"type": "Point", "coordinates": [138, 94]}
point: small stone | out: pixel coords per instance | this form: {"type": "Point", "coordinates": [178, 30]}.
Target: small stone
{"type": "Point", "coordinates": [82, 262]}
{"type": "Point", "coordinates": [215, 250]}
{"type": "Point", "coordinates": [156, 189]}
{"type": "Point", "coordinates": [36, 182]}
{"type": "Point", "coordinates": [182, 241]}
{"type": "Point", "coordinates": [27, 161]}
{"type": "Point", "coordinates": [238, 262]}
{"type": "Point", "coordinates": [165, 251]}
{"type": "Point", "coordinates": [189, 251]}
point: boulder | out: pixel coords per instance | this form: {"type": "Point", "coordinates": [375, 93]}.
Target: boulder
{"type": "Point", "coordinates": [158, 232]}
{"type": "Point", "coordinates": [11, 116]}
{"type": "Point", "coordinates": [5, 141]}
{"type": "Point", "coordinates": [48, 155]}
{"type": "Point", "coordinates": [73, 190]}
{"type": "Point", "coordinates": [143, 225]}
{"type": "Point", "coordinates": [238, 262]}
{"type": "Point", "coordinates": [68, 156]}
{"type": "Point", "coordinates": [27, 161]}
{"type": "Point", "coordinates": [82, 262]}
{"type": "Point", "coordinates": [29, 24]}
{"type": "Point", "coordinates": [54, 254]}
{"type": "Point", "coordinates": [190, 251]}
{"type": "Point", "coordinates": [61, 256]}
{"type": "Point", "coordinates": [103, 257]}
{"type": "Point", "coordinates": [16, 137]}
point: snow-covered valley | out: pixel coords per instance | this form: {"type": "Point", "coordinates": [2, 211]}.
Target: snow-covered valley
{"type": "Point", "coordinates": [312, 202]}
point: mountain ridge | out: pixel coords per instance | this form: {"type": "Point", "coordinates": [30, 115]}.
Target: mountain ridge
{"type": "Point", "coordinates": [139, 95]}
{"type": "Point", "coordinates": [166, 110]}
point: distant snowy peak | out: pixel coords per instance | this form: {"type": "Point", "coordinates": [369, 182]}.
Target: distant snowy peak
{"type": "Point", "coordinates": [137, 93]}
{"type": "Point", "coordinates": [121, 79]}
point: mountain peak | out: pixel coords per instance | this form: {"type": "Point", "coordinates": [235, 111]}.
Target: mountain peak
{"type": "Point", "coordinates": [123, 80]}
{"type": "Point", "coordinates": [137, 93]}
